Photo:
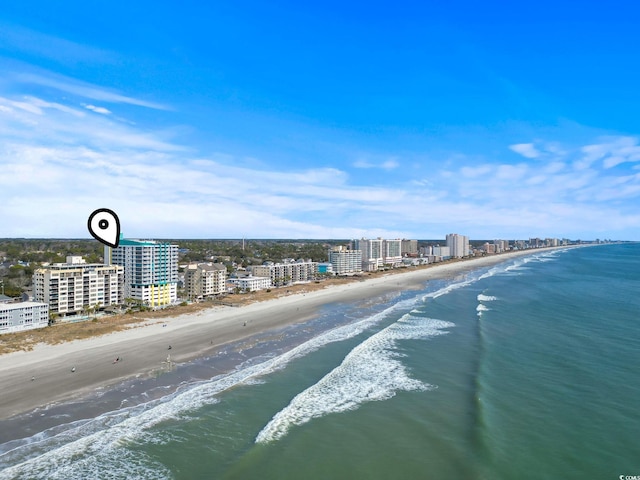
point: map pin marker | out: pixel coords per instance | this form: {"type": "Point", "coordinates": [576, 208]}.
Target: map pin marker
{"type": "Point", "coordinates": [104, 226]}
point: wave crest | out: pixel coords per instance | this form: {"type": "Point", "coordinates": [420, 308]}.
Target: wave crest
{"type": "Point", "coordinates": [370, 372]}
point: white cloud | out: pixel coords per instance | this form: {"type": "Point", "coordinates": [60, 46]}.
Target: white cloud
{"type": "Point", "coordinates": [612, 152]}
{"type": "Point", "coordinates": [526, 150]}
{"type": "Point", "coordinates": [473, 172]}
{"type": "Point", "coordinates": [84, 89]}
{"type": "Point", "coordinates": [59, 163]}
{"type": "Point", "coordinates": [511, 173]}
{"type": "Point", "coordinates": [52, 123]}
{"type": "Point", "coordinates": [93, 108]}
{"type": "Point", "coordinates": [363, 164]}
{"type": "Point", "coordinates": [554, 167]}
{"type": "Point", "coordinates": [389, 164]}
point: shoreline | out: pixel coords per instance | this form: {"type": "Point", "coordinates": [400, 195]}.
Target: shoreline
{"type": "Point", "coordinates": [144, 348]}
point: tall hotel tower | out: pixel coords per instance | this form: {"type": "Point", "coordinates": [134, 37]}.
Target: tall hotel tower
{"type": "Point", "coordinates": [150, 270]}
{"type": "Point", "coordinates": [458, 245]}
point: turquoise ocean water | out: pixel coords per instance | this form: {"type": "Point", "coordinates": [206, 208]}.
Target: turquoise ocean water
{"type": "Point", "coordinates": [526, 370]}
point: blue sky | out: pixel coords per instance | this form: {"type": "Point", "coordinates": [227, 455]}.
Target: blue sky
{"type": "Point", "coordinates": [336, 120]}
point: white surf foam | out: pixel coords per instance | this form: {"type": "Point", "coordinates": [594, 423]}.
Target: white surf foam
{"type": "Point", "coordinates": [486, 298]}
{"type": "Point", "coordinates": [370, 372]}
{"type": "Point", "coordinates": [449, 288]}
{"type": "Point", "coordinates": [101, 443]}
{"type": "Point", "coordinates": [481, 308]}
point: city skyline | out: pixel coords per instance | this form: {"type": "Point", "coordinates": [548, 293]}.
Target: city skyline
{"type": "Point", "coordinates": [337, 122]}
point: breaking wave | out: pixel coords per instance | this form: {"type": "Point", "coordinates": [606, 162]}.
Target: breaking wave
{"type": "Point", "coordinates": [481, 308]}
{"type": "Point", "coordinates": [486, 298]}
{"type": "Point", "coordinates": [370, 372]}
{"type": "Point", "coordinates": [99, 445]}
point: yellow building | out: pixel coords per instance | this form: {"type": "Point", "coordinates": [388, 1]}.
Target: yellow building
{"type": "Point", "coordinates": [150, 270]}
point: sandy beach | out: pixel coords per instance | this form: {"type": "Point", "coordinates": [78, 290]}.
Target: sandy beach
{"type": "Point", "coordinates": [44, 375]}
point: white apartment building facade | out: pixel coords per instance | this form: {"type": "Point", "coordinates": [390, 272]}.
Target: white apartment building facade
{"type": "Point", "coordinates": [150, 270]}
{"type": "Point", "coordinates": [371, 249]}
{"type": "Point", "coordinates": [345, 261]}
{"type": "Point", "coordinates": [501, 246]}
{"type": "Point", "coordinates": [428, 250]}
{"type": "Point", "coordinates": [392, 252]}
{"type": "Point", "coordinates": [16, 317]}
{"type": "Point", "coordinates": [251, 283]}
{"type": "Point", "coordinates": [378, 252]}
{"type": "Point", "coordinates": [288, 272]}
{"type": "Point", "coordinates": [203, 280]}
{"type": "Point", "coordinates": [442, 252]}
{"type": "Point", "coordinates": [74, 287]}
{"type": "Point", "coordinates": [458, 245]}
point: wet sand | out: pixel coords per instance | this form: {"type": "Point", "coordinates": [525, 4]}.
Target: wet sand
{"type": "Point", "coordinates": [44, 375]}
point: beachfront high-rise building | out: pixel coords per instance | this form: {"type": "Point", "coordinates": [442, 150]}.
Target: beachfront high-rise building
{"type": "Point", "coordinates": [345, 261]}
{"type": "Point", "coordinates": [205, 279]}
{"type": "Point", "coordinates": [426, 250]}
{"type": "Point", "coordinates": [378, 252]}
{"type": "Point", "coordinates": [150, 270]}
{"type": "Point", "coordinates": [535, 243]}
{"type": "Point", "coordinates": [409, 248]}
{"type": "Point", "coordinates": [490, 248]}
{"type": "Point", "coordinates": [520, 244]}
{"type": "Point", "coordinates": [392, 252]}
{"type": "Point", "coordinates": [458, 245]}
{"type": "Point", "coordinates": [444, 253]}
{"type": "Point", "coordinates": [76, 287]}
{"type": "Point", "coordinates": [501, 245]}
{"type": "Point", "coordinates": [371, 249]}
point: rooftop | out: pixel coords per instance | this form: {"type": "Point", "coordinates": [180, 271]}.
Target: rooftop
{"type": "Point", "coordinates": [18, 305]}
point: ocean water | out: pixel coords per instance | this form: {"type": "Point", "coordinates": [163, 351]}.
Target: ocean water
{"type": "Point", "coordinates": [526, 370]}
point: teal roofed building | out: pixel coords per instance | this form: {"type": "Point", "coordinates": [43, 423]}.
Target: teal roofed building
{"type": "Point", "coordinates": [150, 270]}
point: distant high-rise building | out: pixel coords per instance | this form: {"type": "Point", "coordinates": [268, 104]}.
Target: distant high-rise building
{"type": "Point", "coordinates": [443, 252]}
{"type": "Point", "coordinates": [490, 248]}
{"type": "Point", "coordinates": [392, 252]}
{"type": "Point", "coordinates": [409, 247]}
{"type": "Point", "coordinates": [535, 243]}
{"type": "Point", "coordinates": [378, 252]}
{"type": "Point", "coordinates": [150, 270]}
{"type": "Point", "coordinates": [371, 249]}
{"type": "Point", "coordinates": [428, 250]}
{"type": "Point", "coordinates": [458, 245]}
